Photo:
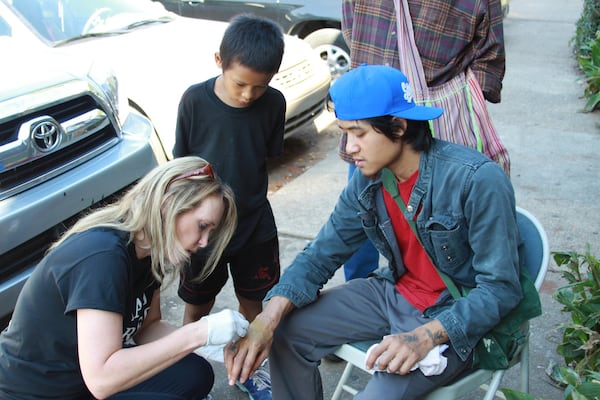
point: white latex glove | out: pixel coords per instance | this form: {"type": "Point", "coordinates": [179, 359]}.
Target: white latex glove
{"type": "Point", "coordinates": [225, 326]}
{"type": "Point", "coordinates": [214, 352]}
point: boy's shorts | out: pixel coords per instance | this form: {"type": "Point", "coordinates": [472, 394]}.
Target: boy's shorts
{"type": "Point", "coordinates": [254, 269]}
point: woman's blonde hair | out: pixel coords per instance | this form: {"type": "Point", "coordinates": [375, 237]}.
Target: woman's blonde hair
{"type": "Point", "coordinates": [151, 208]}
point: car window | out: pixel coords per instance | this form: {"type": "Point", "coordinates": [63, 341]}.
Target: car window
{"type": "Point", "coordinates": [67, 20]}
{"type": "Point", "coordinates": [4, 28]}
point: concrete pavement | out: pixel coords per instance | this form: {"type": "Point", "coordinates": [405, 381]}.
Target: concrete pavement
{"type": "Point", "coordinates": [555, 153]}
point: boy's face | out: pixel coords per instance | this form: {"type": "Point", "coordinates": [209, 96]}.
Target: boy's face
{"type": "Point", "coordinates": [239, 86]}
{"type": "Point", "coordinates": [371, 150]}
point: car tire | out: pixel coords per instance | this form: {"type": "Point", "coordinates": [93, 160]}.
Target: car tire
{"type": "Point", "coordinates": [332, 48]}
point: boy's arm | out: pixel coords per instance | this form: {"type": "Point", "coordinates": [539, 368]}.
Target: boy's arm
{"type": "Point", "coordinates": [276, 138]}
{"type": "Point", "coordinates": [181, 148]}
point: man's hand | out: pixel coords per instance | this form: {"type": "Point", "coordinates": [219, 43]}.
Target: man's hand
{"type": "Point", "coordinates": [243, 357]}
{"type": "Point", "coordinates": [398, 353]}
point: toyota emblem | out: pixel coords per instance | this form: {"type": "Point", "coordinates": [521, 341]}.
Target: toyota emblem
{"type": "Point", "coordinates": [46, 134]}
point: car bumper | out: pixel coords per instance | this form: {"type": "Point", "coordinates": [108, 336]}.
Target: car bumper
{"type": "Point", "coordinates": [306, 97]}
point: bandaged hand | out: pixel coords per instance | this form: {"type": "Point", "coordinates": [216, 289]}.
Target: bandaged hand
{"type": "Point", "coordinates": [225, 326]}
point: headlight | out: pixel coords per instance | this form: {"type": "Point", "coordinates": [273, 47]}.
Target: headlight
{"type": "Point", "coordinates": [109, 88]}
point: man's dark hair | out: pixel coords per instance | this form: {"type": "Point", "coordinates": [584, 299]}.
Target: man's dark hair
{"type": "Point", "coordinates": [255, 42]}
{"type": "Point", "coordinates": [418, 133]}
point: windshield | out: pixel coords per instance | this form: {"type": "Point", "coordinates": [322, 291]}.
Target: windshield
{"type": "Point", "coordinates": [67, 20]}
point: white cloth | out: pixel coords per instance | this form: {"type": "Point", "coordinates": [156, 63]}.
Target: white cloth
{"type": "Point", "coordinates": [434, 362]}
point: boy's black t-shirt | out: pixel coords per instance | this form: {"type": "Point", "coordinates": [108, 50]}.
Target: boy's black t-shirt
{"type": "Point", "coordinates": [94, 269]}
{"type": "Point", "coordinates": [237, 142]}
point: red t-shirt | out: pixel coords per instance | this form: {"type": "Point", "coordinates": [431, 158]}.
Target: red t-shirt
{"type": "Point", "coordinates": [421, 285]}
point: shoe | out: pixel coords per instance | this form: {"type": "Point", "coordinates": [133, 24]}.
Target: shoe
{"type": "Point", "coordinates": [258, 386]}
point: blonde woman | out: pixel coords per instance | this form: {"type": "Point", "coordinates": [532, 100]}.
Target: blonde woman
{"type": "Point", "coordinates": [88, 324]}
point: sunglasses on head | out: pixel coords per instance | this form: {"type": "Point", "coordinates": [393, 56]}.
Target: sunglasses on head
{"type": "Point", "coordinates": [206, 170]}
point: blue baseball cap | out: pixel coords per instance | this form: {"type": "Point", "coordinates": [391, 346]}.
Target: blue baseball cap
{"type": "Point", "coordinates": [370, 91]}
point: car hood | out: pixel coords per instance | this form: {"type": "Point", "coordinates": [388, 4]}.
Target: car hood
{"type": "Point", "coordinates": [37, 68]}
{"type": "Point", "coordinates": [156, 63]}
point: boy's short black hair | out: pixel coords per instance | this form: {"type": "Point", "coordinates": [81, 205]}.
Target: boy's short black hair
{"type": "Point", "coordinates": [255, 42]}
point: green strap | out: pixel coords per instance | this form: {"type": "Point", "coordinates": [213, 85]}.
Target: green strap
{"type": "Point", "coordinates": [391, 186]}
{"type": "Point", "coordinates": [469, 97]}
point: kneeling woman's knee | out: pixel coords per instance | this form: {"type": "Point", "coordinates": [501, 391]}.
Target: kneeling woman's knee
{"type": "Point", "coordinates": [197, 374]}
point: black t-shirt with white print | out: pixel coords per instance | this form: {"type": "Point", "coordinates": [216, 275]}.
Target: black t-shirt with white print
{"type": "Point", "coordinates": [95, 269]}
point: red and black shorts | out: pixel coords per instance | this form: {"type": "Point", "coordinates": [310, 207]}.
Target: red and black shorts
{"type": "Point", "coordinates": [255, 270]}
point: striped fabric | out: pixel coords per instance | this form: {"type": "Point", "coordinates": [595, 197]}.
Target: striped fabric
{"type": "Point", "coordinates": [451, 35]}
{"type": "Point", "coordinates": [465, 120]}
{"type": "Point", "coordinates": [443, 29]}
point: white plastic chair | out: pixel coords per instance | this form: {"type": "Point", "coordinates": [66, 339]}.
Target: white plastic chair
{"type": "Point", "coordinates": [536, 252]}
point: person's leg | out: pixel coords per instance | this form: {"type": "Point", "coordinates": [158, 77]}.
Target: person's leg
{"type": "Point", "coordinates": [374, 309]}
{"type": "Point", "coordinates": [255, 270]}
{"type": "Point", "coordinates": [193, 312]}
{"type": "Point", "coordinates": [415, 385]}
{"type": "Point", "coordinates": [199, 297]}
{"type": "Point", "coordinates": [350, 312]}
{"type": "Point", "coordinates": [366, 258]}
{"type": "Point", "coordinates": [249, 308]}
{"type": "Point", "coordinates": [191, 378]}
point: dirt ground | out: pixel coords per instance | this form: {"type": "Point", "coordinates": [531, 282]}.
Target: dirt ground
{"type": "Point", "coordinates": [300, 152]}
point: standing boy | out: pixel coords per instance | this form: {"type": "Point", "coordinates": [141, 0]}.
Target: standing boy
{"type": "Point", "coordinates": [236, 122]}
{"type": "Point", "coordinates": [463, 207]}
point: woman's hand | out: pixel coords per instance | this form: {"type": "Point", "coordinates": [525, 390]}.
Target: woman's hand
{"type": "Point", "coordinates": [224, 327]}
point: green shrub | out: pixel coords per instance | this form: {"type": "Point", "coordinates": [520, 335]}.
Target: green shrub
{"type": "Point", "coordinates": [581, 337]}
{"type": "Point", "coordinates": [587, 26]}
{"type": "Point", "coordinates": [580, 346]}
{"type": "Point", "coordinates": [581, 298]}
{"type": "Point", "coordinates": [589, 61]}
{"type": "Point", "coordinates": [587, 51]}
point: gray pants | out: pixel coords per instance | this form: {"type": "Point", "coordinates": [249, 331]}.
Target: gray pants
{"type": "Point", "coordinates": [361, 309]}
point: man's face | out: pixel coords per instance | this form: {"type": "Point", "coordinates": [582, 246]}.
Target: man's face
{"type": "Point", "coordinates": [371, 150]}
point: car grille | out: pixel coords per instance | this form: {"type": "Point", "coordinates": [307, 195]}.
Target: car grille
{"type": "Point", "coordinates": [31, 252]}
{"type": "Point", "coordinates": [86, 131]}
{"type": "Point", "coordinates": [295, 75]}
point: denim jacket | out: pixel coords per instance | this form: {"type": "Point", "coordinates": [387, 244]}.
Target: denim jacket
{"type": "Point", "coordinates": [467, 225]}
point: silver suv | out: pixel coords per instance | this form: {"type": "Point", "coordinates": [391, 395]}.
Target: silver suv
{"type": "Point", "coordinates": [68, 142]}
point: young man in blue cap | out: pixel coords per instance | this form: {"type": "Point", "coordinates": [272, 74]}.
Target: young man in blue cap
{"type": "Point", "coordinates": [463, 209]}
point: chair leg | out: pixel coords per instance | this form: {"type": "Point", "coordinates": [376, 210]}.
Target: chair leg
{"type": "Point", "coordinates": [525, 368]}
{"type": "Point", "coordinates": [340, 386]}
{"type": "Point", "coordinates": [493, 386]}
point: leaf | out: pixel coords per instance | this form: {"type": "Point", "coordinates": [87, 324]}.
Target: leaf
{"type": "Point", "coordinates": [590, 390]}
{"type": "Point", "coordinates": [561, 258]}
{"type": "Point", "coordinates": [570, 376]}
{"type": "Point", "coordinates": [592, 103]}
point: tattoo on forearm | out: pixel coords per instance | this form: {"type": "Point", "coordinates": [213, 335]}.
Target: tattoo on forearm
{"type": "Point", "coordinates": [436, 337]}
